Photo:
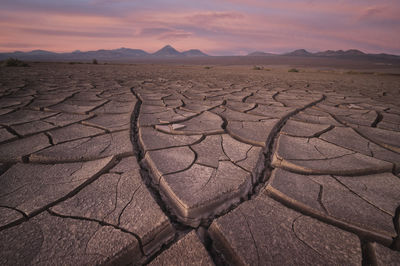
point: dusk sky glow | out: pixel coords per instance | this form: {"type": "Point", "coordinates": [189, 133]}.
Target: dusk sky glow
{"type": "Point", "coordinates": [217, 27]}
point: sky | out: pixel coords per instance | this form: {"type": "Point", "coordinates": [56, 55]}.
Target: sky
{"type": "Point", "coordinates": [217, 27]}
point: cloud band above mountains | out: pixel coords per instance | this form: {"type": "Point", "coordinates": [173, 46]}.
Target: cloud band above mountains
{"type": "Point", "coordinates": [217, 27]}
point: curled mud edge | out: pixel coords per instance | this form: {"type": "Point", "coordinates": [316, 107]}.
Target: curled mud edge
{"type": "Point", "coordinates": [364, 234]}
{"type": "Point", "coordinates": [179, 217]}
{"type": "Point", "coordinates": [179, 229]}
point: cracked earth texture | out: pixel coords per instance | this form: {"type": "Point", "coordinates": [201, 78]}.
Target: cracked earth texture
{"type": "Point", "coordinates": [181, 165]}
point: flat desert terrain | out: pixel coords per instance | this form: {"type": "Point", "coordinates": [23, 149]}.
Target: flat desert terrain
{"type": "Point", "coordinates": [204, 164]}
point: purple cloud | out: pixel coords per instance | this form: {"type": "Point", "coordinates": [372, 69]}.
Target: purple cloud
{"type": "Point", "coordinates": [217, 27]}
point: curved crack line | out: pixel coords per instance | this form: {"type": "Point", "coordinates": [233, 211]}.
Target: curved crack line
{"type": "Point", "coordinates": [247, 155]}
{"type": "Point", "coordinates": [64, 100]}
{"type": "Point", "coordinates": [325, 156]}
{"type": "Point", "coordinates": [126, 206]}
{"type": "Point", "coordinates": [175, 146]}
{"type": "Point", "coordinates": [378, 119]}
{"type": "Point", "coordinates": [14, 190]}
{"type": "Point", "coordinates": [275, 131]}
{"type": "Point", "coordinates": [396, 221]}
{"type": "Point", "coordinates": [10, 130]}
{"type": "Point", "coordinates": [86, 248]}
{"type": "Point", "coordinates": [243, 139]}
{"type": "Point", "coordinates": [50, 114]}
{"type": "Point", "coordinates": [362, 135]}
{"type": "Point", "coordinates": [363, 232]}
{"type": "Point", "coordinates": [97, 107]}
{"type": "Point", "coordinates": [262, 175]}
{"type": "Point", "coordinates": [259, 117]}
{"type": "Point", "coordinates": [318, 134]}
{"type": "Point", "coordinates": [246, 97]}
{"type": "Point", "coordinates": [251, 109]}
{"type": "Point", "coordinates": [233, 162]}
{"type": "Point", "coordinates": [213, 174]}
{"type": "Point", "coordinates": [107, 130]}
{"type": "Point", "coordinates": [184, 169]}
{"type": "Point", "coordinates": [320, 195]}
{"type": "Point", "coordinates": [102, 223]}
{"type": "Point", "coordinates": [301, 240]}
{"type": "Point", "coordinates": [72, 193]}
{"type": "Point", "coordinates": [146, 172]}
{"type": "Point", "coordinates": [219, 96]}
{"type": "Point", "coordinates": [275, 95]}
{"type": "Point", "coordinates": [90, 137]}
{"type": "Point", "coordinates": [252, 236]}
{"type": "Point", "coordinates": [380, 144]}
{"type": "Point", "coordinates": [15, 209]}
{"type": "Point", "coordinates": [116, 198]}
{"type": "Point", "coordinates": [191, 116]}
{"type": "Point", "coordinates": [109, 143]}
{"type": "Point", "coordinates": [361, 197]}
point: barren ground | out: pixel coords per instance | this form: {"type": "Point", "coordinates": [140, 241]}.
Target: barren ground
{"type": "Point", "coordinates": [203, 164]}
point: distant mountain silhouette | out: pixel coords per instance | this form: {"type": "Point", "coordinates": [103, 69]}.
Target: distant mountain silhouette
{"type": "Point", "coordinates": [349, 54]}
{"type": "Point", "coordinates": [352, 52]}
{"type": "Point", "coordinates": [331, 53]}
{"type": "Point", "coordinates": [299, 52]}
{"type": "Point", "coordinates": [39, 52]}
{"type": "Point", "coordinates": [104, 55]}
{"type": "Point", "coordinates": [193, 53]}
{"type": "Point", "coordinates": [167, 50]}
{"type": "Point", "coordinates": [260, 54]}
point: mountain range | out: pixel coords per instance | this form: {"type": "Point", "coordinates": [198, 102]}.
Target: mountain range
{"type": "Point", "coordinates": [258, 53]}
{"type": "Point", "coordinates": [115, 54]}
{"type": "Point", "coordinates": [168, 52]}
{"type": "Point", "coordinates": [352, 53]}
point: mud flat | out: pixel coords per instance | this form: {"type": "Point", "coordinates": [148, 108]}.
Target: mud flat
{"type": "Point", "coordinates": [199, 164]}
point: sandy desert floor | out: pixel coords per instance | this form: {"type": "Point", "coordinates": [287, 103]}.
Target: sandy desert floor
{"type": "Point", "coordinates": [199, 165]}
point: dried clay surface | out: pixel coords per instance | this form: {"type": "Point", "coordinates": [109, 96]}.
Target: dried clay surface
{"type": "Point", "coordinates": [186, 165]}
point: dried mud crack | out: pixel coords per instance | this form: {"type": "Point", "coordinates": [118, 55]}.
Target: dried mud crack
{"type": "Point", "coordinates": [180, 229]}
{"type": "Point", "coordinates": [179, 165]}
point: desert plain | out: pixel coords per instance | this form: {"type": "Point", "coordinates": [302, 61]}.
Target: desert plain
{"type": "Point", "coordinates": [200, 164]}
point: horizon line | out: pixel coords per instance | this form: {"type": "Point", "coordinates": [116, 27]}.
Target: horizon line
{"type": "Point", "coordinates": [255, 51]}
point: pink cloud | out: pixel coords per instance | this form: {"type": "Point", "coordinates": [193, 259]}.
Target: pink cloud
{"type": "Point", "coordinates": [380, 13]}
{"type": "Point", "coordinates": [165, 33]}
{"type": "Point", "coordinates": [174, 36]}
{"type": "Point", "coordinates": [262, 25]}
{"type": "Point", "coordinates": [207, 17]}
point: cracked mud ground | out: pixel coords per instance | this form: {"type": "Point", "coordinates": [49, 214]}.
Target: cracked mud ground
{"type": "Point", "coordinates": [175, 165]}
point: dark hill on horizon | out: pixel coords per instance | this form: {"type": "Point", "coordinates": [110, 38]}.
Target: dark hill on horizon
{"type": "Point", "coordinates": [299, 52]}
{"type": "Point", "coordinates": [170, 54]}
{"type": "Point", "coordinates": [332, 53]}
{"type": "Point", "coordinates": [258, 53]}
{"type": "Point", "coordinates": [102, 54]}
{"type": "Point", "coordinates": [193, 53]}
{"type": "Point", "coordinates": [167, 50]}
{"type": "Point", "coordinates": [353, 54]}
{"type": "Point", "coordinates": [349, 54]}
